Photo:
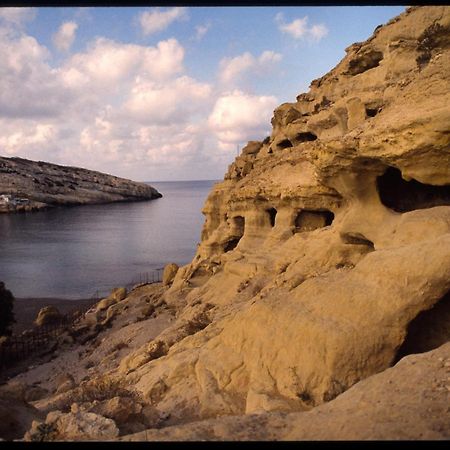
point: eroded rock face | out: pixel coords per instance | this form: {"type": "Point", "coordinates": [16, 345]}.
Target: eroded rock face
{"type": "Point", "coordinates": [312, 266]}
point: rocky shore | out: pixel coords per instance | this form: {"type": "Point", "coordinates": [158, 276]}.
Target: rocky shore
{"type": "Point", "coordinates": [32, 185]}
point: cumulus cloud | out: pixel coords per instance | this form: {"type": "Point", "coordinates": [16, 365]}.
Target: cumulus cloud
{"type": "Point", "coordinates": [107, 63]}
{"type": "Point", "coordinates": [17, 16]}
{"type": "Point", "coordinates": [299, 28]}
{"type": "Point", "coordinates": [235, 69]}
{"type": "Point", "coordinates": [30, 87]}
{"type": "Point", "coordinates": [317, 32]}
{"type": "Point", "coordinates": [64, 37]}
{"type": "Point", "coordinates": [127, 109]}
{"type": "Point", "coordinates": [201, 30]}
{"type": "Point", "coordinates": [175, 101]}
{"type": "Point", "coordinates": [156, 20]}
{"type": "Point", "coordinates": [121, 108]}
{"type": "Point", "coordinates": [238, 117]}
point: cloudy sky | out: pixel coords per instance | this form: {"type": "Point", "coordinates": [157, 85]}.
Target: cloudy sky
{"type": "Point", "coordinates": [158, 94]}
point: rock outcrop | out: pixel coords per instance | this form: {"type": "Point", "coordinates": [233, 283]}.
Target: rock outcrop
{"type": "Point", "coordinates": [48, 315]}
{"type": "Point", "coordinates": [324, 242]}
{"type": "Point", "coordinates": [29, 185]}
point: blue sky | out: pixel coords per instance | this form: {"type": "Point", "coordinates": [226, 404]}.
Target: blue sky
{"type": "Point", "coordinates": [161, 93]}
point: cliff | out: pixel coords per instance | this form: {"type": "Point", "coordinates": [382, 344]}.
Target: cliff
{"type": "Point", "coordinates": [29, 185]}
{"type": "Point", "coordinates": [324, 265]}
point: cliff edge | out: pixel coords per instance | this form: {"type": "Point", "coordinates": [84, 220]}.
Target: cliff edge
{"type": "Point", "coordinates": [31, 185]}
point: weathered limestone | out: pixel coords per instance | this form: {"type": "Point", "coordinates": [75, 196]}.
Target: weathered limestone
{"type": "Point", "coordinates": [170, 270]}
{"type": "Point", "coordinates": [313, 266]}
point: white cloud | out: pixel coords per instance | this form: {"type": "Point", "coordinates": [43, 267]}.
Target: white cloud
{"type": "Point", "coordinates": [299, 29]}
{"type": "Point", "coordinates": [119, 108]}
{"type": "Point", "coordinates": [317, 32]}
{"type": "Point", "coordinates": [165, 103]}
{"type": "Point", "coordinates": [17, 16]}
{"type": "Point", "coordinates": [232, 70]}
{"type": "Point", "coordinates": [157, 20]}
{"type": "Point", "coordinates": [107, 63]}
{"type": "Point", "coordinates": [64, 37]}
{"type": "Point", "coordinates": [238, 117]}
{"type": "Point", "coordinates": [125, 109]}
{"type": "Point", "coordinates": [201, 30]}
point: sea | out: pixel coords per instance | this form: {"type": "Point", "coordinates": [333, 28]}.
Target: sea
{"type": "Point", "coordinates": [85, 251]}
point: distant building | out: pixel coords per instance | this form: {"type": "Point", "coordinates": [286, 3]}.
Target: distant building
{"type": "Point", "coordinates": [5, 199]}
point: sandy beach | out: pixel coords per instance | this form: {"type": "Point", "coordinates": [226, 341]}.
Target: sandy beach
{"type": "Point", "coordinates": [26, 309]}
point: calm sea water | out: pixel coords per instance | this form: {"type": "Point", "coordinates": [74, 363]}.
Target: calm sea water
{"type": "Point", "coordinates": [73, 252]}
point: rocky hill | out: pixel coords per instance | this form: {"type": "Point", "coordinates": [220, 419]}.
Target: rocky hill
{"type": "Point", "coordinates": [324, 265]}
{"type": "Point", "coordinates": [29, 185]}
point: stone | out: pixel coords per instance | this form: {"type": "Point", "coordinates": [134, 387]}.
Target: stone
{"type": "Point", "coordinates": [105, 303]}
{"type": "Point", "coordinates": [252, 148]}
{"type": "Point", "coordinates": [170, 271]}
{"type": "Point", "coordinates": [79, 426]}
{"type": "Point", "coordinates": [119, 409]}
{"type": "Point", "coordinates": [48, 315]}
{"type": "Point", "coordinates": [118, 294]}
{"type": "Point", "coordinates": [64, 382]}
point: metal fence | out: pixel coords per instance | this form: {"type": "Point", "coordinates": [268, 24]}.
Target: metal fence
{"type": "Point", "coordinates": [17, 348]}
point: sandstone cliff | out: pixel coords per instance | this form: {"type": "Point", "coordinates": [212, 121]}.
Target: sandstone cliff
{"type": "Point", "coordinates": [31, 185]}
{"type": "Point", "coordinates": [324, 261]}
{"type": "Point", "coordinates": [325, 241]}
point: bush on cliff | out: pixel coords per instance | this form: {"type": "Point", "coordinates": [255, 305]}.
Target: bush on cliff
{"type": "Point", "coordinates": [6, 310]}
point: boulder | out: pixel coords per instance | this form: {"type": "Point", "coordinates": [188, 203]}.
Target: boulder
{"type": "Point", "coordinates": [48, 315]}
{"type": "Point", "coordinates": [64, 382]}
{"type": "Point", "coordinates": [118, 294]}
{"type": "Point", "coordinates": [79, 426]}
{"type": "Point", "coordinates": [170, 270]}
{"type": "Point", "coordinates": [105, 303]}
{"type": "Point", "coordinates": [119, 409]}
{"type": "Point", "coordinates": [252, 148]}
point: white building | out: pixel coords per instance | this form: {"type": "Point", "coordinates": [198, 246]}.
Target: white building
{"type": "Point", "coordinates": [5, 199]}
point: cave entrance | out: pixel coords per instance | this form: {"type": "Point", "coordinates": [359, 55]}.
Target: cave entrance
{"type": "Point", "coordinates": [272, 212]}
{"type": "Point", "coordinates": [231, 244]}
{"type": "Point", "coordinates": [429, 330]}
{"type": "Point", "coordinates": [238, 229]}
{"type": "Point", "coordinates": [402, 196]}
{"type": "Point", "coordinates": [306, 136]}
{"type": "Point", "coordinates": [309, 220]}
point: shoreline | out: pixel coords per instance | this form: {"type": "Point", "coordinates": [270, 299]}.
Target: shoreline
{"type": "Point", "coordinates": [26, 309]}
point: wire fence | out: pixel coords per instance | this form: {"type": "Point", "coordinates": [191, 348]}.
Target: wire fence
{"type": "Point", "coordinates": [41, 339]}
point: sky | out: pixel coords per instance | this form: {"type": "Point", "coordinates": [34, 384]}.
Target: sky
{"type": "Point", "coordinates": [161, 94]}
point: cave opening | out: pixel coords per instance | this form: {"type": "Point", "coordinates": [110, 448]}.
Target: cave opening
{"type": "Point", "coordinates": [309, 220]}
{"type": "Point", "coordinates": [371, 112]}
{"type": "Point", "coordinates": [430, 329]}
{"type": "Point", "coordinates": [306, 136]}
{"type": "Point", "coordinates": [272, 212]}
{"type": "Point", "coordinates": [402, 196]}
{"type": "Point", "coordinates": [238, 223]}
{"type": "Point", "coordinates": [231, 244]}
{"type": "Point", "coordinates": [285, 143]}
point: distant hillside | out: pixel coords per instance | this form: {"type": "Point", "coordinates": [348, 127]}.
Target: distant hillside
{"type": "Point", "coordinates": [29, 185]}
